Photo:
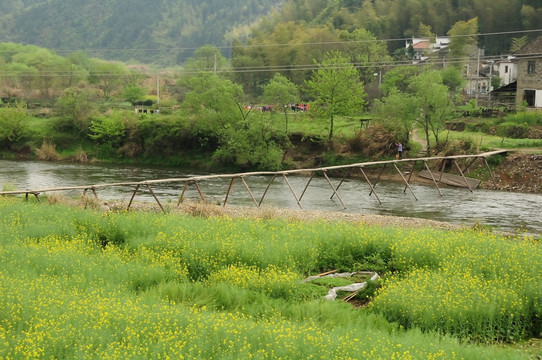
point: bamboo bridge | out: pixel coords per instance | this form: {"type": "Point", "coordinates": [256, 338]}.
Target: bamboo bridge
{"type": "Point", "coordinates": [437, 177]}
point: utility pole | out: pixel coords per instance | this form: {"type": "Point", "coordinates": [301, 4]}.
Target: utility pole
{"type": "Point", "coordinates": [477, 75]}
{"type": "Point", "coordinates": [157, 89]}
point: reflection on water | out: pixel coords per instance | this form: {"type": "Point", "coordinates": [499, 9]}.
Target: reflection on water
{"type": "Point", "coordinates": [502, 210]}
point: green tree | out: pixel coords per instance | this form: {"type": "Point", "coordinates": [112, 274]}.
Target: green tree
{"type": "Point", "coordinates": [75, 106]}
{"type": "Point", "coordinates": [463, 37]}
{"type": "Point", "coordinates": [335, 89]}
{"type": "Point", "coordinates": [109, 129]}
{"type": "Point", "coordinates": [281, 92]}
{"type": "Point", "coordinates": [433, 105]}
{"type": "Point", "coordinates": [14, 125]}
{"type": "Point", "coordinates": [107, 76]}
{"type": "Point", "coordinates": [132, 93]}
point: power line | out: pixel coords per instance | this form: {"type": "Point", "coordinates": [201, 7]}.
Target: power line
{"type": "Point", "coordinates": [321, 43]}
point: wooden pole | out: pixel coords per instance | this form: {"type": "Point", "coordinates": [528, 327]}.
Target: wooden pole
{"type": "Point", "coordinates": [229, 189]}
{"type": "Point", "coordinates": [199, 191]}
{"type": "Point", "coordinates": [490, 173]}
{"type": "Point", "coordinates": [250, 192]}
{"type": "Point", "coordinates": [292, 190]}
{"type": "Point", "coordinates": [377, 179]}
{"type": "Point", "coordinates": [334, 190]}
{"type": "Point", "coordinates": [306, 186]}
{"type": "Point", "coordinates": [182, 193]}
{"type": "Point", "coordinates": [463, 176]}
{"type": "Point", "coordinates": [410, 174]}
{"type": "Point", "coordinates": [399, 171]}
{"type": "Point", "coordinates": [432, 177]}
{"type": "Point", "coordinates": [442, 170]}
{"type": "Point", "coordinates": [267, 188]}
{"type": "Point", "coordinates": [342, 180]}
{"type": "Point", "coordinates": [371, 185]}
{"type": "Point", "coordinates": [132, 198]}
{"type": "Point", "coordinates": [155, 198]}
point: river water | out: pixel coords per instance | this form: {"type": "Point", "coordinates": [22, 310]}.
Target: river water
{"type": "Point", "coordinates": [505, 211]}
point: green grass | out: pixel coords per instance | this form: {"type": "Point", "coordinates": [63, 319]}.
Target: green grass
{"type": "Point", "coordinates": [77, 283]}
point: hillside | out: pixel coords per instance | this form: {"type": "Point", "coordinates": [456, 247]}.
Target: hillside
{"type": "Point", "coordinates": [161, 31]}
{"type": "Point", "coordinates": [166, 32]}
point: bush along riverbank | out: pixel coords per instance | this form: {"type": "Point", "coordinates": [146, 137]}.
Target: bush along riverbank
{"type": "Point", "coordinates": [119, 284]}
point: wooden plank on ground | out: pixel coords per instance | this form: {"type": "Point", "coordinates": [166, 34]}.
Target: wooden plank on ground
{"type": "Point", "coordinates": [450, 179]}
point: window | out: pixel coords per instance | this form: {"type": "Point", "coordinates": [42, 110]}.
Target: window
{"type": "Point", "coordinates": [506, 69]}
{"type": "Point", "coordinates": [531, 67]}
{"type": "Point", "coordinates": [529, 97]}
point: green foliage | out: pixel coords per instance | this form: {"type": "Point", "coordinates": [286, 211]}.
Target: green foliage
{"type": "Point", "coordinates": [336, 89]}
{"type": "Point", "coordinates": [133, 93]}
{"type": "Point", "coordinates": [108, 129]}
{"type": "Point", "coordinates": [14, 129]}
{"type": "Point", "coordinates": [58, 263]}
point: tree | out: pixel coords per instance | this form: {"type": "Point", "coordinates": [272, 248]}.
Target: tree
{"type": "Point", "coordinates": [335, 89]}
{"type": "Point", "coordinates": [107, 76]}
{"type": "Point", "coordinates": [14, 125]}
{"type": "Point", "coordinates": [281, 92]}
{"type": "Point", "coordinates": [463, 36]}
{"type": "Point", "coordinates": [433, 103]}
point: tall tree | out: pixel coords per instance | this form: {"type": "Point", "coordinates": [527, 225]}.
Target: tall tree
{"type": "Point", "coordinates": [464, 35]}
{"type": "Point", "coordinates": [335, 89]}
{"type": "Point", "coordinates": [282, 92]}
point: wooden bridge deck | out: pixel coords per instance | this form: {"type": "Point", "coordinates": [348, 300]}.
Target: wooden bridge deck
{"type": "Point", "coordinates": [435, 176]}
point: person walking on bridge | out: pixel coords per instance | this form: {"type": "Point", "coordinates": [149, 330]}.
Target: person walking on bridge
{"type": "Point", "coordinates": [399, 150]}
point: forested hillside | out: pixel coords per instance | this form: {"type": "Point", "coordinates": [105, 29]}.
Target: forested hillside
{"type": "Point", "coordinates": [160, 31]}
{"type": "Point", "coordinates": [167, 31]}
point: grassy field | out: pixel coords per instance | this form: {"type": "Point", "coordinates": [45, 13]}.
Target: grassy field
{"type": "Point", "coordinates": [78, 283]}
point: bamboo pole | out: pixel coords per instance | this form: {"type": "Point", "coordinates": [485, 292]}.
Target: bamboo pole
{"type": "Point", "coordinates": [334, 190]}
{"type": "Point", "coordinates": [132, 198]}
{"type": "Point", "coordinates": [306, 186]}
{"type": "Point", "coordinates": [199, 191]}
{"type": "Point", "coordinates": [292, 190]}
{"type": "Point", "coordinates": [267, 188]}
{"type": "Point", "coordinates": [182, 193]}
{"type": "Point", "coordinates": [399, 171]}
{"type": "Point", "coordinates": [342, 180]}
{"type": "Point", "coordinates": [377, 179]}
{"type": "Point", "coordinates": [371, 185]}
{"type": "Point", "coordinates": [432, 177]}
{"type": "Point", "coordinates": [410, 174]}
{"type": "Point", "coordinates": [155, 198]}
{"type": "Point", "coordinates": [228, 192]}
{"type": "Point", "coordinates": [463, 176]}
{"type": "Point", "coordinates": [250, 192]}
{"type": "Point", "coordinates": [490, 172]}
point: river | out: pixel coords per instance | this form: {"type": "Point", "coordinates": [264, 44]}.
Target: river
{"type": "Point", "coordinates": [505, 211]}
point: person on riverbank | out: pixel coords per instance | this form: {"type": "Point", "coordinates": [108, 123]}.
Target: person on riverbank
{"type": "Point", "coordinates": [399, 150]}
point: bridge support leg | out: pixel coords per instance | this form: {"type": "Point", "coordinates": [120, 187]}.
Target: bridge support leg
{"type": "Point", "coordinates": [334, 190]}
{"type": "Point", "coordinates": [249, 192]}
{"type": "Point", "coordinates": [490, 172]}
{"type": "Point", "coordinates": [432, 177]}
{"type": "Point", "coordinates": [377, 179]}
{"type": "Point", "coordinates": [406, 182]}
{"type": "Point", "coordinates": [199, 191]}
{"type": "Point", "coordinates": [266, 189]}
{"type": "Point", "coordinates": [155, 198]}
{"type": "Point", "coordinates": [463, 176]}
{"type": "Point", "coordinates": [306, 186]}
{"type": "Point", "coordinates": [132, 198]}
{"type": "Point", "coordinates": [410, 175]}
{"type": "Point", "coordinates": [371, 185]}
{"type": "Point", "coordinates": [228, 193]}
{"type": "Point", "coordinates": [292, 190]}
{"type": "Point", "coordinates": [181, 198]}
{"type": "Point", "coordinates": [342, 180]}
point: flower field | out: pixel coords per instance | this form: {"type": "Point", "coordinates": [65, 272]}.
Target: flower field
{"type": "Point", "coordinates": [78, 283]}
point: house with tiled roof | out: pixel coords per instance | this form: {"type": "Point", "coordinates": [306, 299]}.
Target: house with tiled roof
{"type": "Point", "coordinates": [422, 48]}
{"type": "Point", "coordinates": [529, 76]}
